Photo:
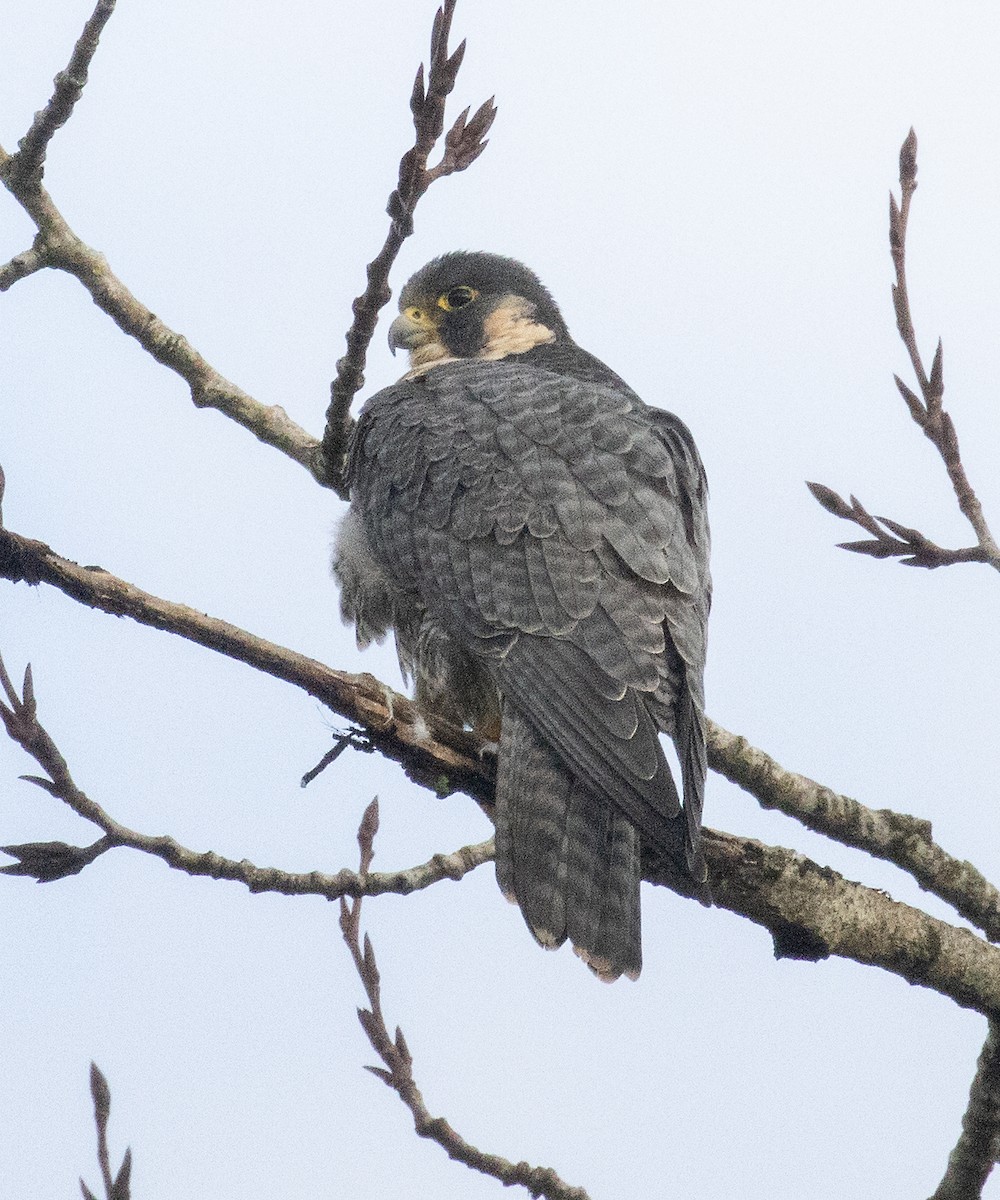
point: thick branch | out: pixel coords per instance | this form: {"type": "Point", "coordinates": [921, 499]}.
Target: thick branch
{"type": "Point", "coordinates": [463, 145]}
{"type": "Point", "coordinates": [434, 753]}
{"type": "Point", "coordinates": [971, 1162]}
{"type": "Point", "coordinates": [810, 910]}
{"type": "Point", "coordinates": [896, 837]}
{"type": "Point", "coordinates": [395, 1054]}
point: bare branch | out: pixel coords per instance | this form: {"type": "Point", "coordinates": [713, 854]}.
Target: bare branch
{"type": "Point", "coordinates": [810, 911]}
{"type": "Point", "coordinates": [463, 145]}
{"type": "Point", "coordinates": [445, 758]}
{"type": "Point", "coordinates": [909, 545]}
{"type": "Point", "coordinates": [434, 753]}
{"type": "Point", "coordinates": [977, 1149]}
{"type": "Point", "coordinates": [20, 267]}
{"type": "Point", "coordinates": [813, 912]}
{"type": "Point", "coordinates": [395, 1054]}
{"type": "Point", "coordinates": [47, 861]}
{"type": "Point", "coordinates": [895, 837]}
{"type": "Point", "coordinates": [59, 247]}
{"type": "Point", "coordinates": [28, 164]}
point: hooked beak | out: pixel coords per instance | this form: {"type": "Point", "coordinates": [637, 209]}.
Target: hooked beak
{"type": "Point", "coordinates": [407, 333]}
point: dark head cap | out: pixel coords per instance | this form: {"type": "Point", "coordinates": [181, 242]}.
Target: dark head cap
{"type": "Point", "coordinates": [449, 300]}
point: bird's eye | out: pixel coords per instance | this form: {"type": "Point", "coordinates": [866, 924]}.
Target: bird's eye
{"type": "Point", "coordinates": [458, 297]}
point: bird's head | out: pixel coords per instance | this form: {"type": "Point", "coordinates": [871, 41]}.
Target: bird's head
{"type": "Point", "coordinates": [473, 305]}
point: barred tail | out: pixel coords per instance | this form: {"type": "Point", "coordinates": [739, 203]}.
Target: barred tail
{"type": "Point", "coordinates": [568, 858]}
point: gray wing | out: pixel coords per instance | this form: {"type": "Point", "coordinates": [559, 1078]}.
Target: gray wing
{"type": "Point", "coordinates": [555, 529]}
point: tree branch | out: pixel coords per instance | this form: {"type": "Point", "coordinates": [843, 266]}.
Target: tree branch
{"type": "Point", "coordinates": [58, 246]}
{"type": "Point", "coordinates": [810, 911]}
{"type": "Point", "coordinates": [395, 1054]}
{"type": "Point", "coordinates": [434, 753]}
{"type": "Point", "coordinates": [813, 912]}
{"type": "Point", "coordinates": [48, 861]}
{"type": "Point", "coordinates": [895, 837]}
{"type": "Point", "coordinates": [463, 145]}
{"type": "Point", "coordinates": [20, 267]}
{"type": "Point", "coordinates": [27, 166]}
{"type": "Point", "coordinates": [889, 538]}
{"type": "Point", "coordinates": [971, 1162]}
{"type": "Point", "coordinates": [438, 755]}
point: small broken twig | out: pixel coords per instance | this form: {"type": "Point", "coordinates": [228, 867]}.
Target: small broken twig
{"type": "Point", "coordinates": [356, 739]}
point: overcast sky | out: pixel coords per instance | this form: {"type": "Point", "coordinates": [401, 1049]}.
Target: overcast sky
{"type": "Point", "coordinates": [704, 189]}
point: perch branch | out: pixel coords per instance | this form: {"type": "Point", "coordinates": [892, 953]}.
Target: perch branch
{"type": "Point", "coordinates": [397, 1072]}
{"type": "Point", "coordinates": [898, 838]}
{"type": "Point", "coordinates": [436, 754]}
{"type": "Point", "coordinates": [444, 758]}
{"type": "Point", "coordinates": [810, 910]}
{"type": "Point", "coordinates": [890, 539]}
{"type": "Point", "coordinates": [48, 861]}
{"type": "Point", "coordinates": [464, 143]}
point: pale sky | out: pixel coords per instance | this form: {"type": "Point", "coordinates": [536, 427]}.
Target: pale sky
{"type": "Point", "coordinates": [704, 189]}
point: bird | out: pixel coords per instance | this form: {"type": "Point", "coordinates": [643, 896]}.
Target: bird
{"type": "Point", "coordinates": [536, 538]}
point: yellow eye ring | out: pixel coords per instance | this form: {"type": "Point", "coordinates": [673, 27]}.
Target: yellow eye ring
{"type": "Point", "coordinates": [457, 297]}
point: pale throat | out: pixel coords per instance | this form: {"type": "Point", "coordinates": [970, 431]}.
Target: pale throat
{"type": "Point", "coordinates": [511, 328]}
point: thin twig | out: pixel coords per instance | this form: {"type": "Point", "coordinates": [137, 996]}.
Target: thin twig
{"type": "Point", "coordinates": [21, 266]}
{"type": "Point", "coordinates": [891, 539]}
{"type": "Point", "coordinates": [397, 1072]}
{"type": "Point", "coordinates": [28, 164]}
{"type": "Point", "coordinates": [48, 861]}
{"type": "Point", "coordinates": [463, 145]}
{"type": "Point", "coordinates": [354, 739]}
{"type": "Point", "coordinates": [972, 1160]}
{"type": "Point", "coordinates": [117, 1187]}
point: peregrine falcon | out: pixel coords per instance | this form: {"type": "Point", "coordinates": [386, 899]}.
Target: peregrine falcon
{"type": "Point", "coordinates": [537, 539]}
